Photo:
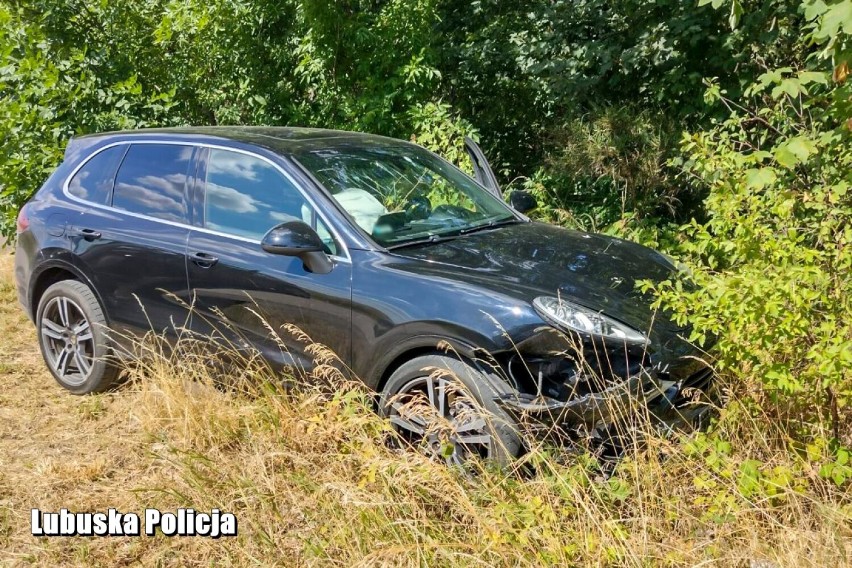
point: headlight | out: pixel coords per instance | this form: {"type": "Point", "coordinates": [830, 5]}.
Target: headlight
{"type": "Point", "coordinates": [583, 320]}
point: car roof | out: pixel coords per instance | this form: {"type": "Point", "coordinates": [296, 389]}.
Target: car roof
{"type": "Point", "coordinates": [278, 139]}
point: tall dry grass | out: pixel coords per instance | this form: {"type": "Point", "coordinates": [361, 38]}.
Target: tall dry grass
{"type": "Point", "coordinates": [312, 480]}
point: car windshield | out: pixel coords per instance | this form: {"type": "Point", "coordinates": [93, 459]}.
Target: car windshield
{"type": "Point", "coordinates": [402, 194]}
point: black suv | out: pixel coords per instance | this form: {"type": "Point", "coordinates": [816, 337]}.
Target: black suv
{"type": "Point", "coordinates": [396, 260]}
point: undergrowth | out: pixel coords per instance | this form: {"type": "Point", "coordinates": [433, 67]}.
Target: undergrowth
{"type": "Point", "coordinates": [309, 473]}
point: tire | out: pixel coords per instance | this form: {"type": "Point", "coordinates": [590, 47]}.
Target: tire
{"type": "Point", "coordinates": [73, 338]}
{"type": "Point", "coordinates": [468, 422]}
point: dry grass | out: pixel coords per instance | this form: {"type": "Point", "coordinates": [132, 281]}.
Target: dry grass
{"type": "Point", "coordinates": [312, 483]}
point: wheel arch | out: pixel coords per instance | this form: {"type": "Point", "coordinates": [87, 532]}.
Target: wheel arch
{"type": "Point", "coordinates": [51, 272]}
{"type": "Point", "coordinates": [429, 345]}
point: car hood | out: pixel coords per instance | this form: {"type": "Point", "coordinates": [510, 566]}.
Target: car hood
{"type": "Point", "coordinates": [533, 259]}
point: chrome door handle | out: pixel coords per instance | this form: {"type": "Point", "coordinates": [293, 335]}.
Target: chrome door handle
{"type": "Point", "coordinates": [204, 260]}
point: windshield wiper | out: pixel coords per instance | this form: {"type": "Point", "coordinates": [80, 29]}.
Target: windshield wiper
{"type": "Point", "coordinates": [490, 225]}
{"type": "Point", "coordinates": [456, 233]}
{"type": "Point", "coordinates": [427, 240]}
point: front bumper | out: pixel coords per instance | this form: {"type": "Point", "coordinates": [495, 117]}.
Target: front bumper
{"type": "Point", "coordinates": [642, 398]}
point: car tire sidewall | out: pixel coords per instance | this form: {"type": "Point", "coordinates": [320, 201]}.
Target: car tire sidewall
{"type": "Point", "coordinates": [103, 373]}
{"type": "Point", "coordinates": [479, 383]}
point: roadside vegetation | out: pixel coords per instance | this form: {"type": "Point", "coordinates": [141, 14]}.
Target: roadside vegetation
{"type": "Point", "coordinates": [312, 480]}
{"type": "Point", "coordinates": [715, 130]}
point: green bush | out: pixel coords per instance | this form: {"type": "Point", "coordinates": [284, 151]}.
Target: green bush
{"type": "Point", "coordinates": [524, 75]}
{"type": "Point", "coordinates": [49, 92]}
{"type": "Point", "coordinates": [773, 264]}
{"type": "Point", "coordinates": [66, 71]}
{"type": "Point", "coordinates": [609, 164]}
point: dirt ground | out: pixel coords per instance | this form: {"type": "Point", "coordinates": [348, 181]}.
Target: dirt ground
{"type": "Point", "coordinates": [55, 450]}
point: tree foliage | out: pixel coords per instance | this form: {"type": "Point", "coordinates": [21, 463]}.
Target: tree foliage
{"type": "Point", "coordinates": [521, 74]}
{"type": "Point", "coordinates": [731, 116]}
{"type": "Point", "coordinates": [773, 262]}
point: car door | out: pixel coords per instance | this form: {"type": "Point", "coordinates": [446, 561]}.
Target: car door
{"type": "Point", "coordinates": [521, 201]}
{"type": "Point", "coordinates": [131, 237]}
{"type": "Point", "coordinates": [481, 168]}
{"type": "Point", "coordinates": [248, 295]}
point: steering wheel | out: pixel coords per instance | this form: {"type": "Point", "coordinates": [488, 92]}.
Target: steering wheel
{"type": "Point", "coordinates": [418, 208]}
{"type": "Point", "coordinates": [452, 211]}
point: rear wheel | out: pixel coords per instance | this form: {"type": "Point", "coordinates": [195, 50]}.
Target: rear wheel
{"type": "Point", "coordinates": [72, 338]}
{"type": "Point", "coordinates": [446, 408]}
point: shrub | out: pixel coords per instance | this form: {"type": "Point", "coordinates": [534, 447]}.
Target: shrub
{"type": "Point", "coordinates": [773, 264]}
{"type": "Point", "coordinates": [610, 163]}
{"type": "Point", "coordinates": [48, 93]}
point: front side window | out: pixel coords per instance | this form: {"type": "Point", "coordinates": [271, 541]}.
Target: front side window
{"type": "Point", "coordinates": [152, 181]}
{"type": "Point", "coordinates": [93, 182]}
{"type": "Point", "coordinates": [247, 196]}
{"type": "Point", "coordinates": [400, 193]}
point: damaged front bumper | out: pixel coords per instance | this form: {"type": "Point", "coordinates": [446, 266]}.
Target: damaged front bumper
{"type": "Point", "coordinates": [643, 397]}
{"type": "Point", "coordinates": [564, 384]}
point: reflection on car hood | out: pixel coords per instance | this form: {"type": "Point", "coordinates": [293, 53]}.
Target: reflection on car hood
{"type": "Point", "coordinates": [533, 259]}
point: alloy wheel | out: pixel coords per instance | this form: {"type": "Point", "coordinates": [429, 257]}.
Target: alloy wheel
{"type": "Point", "coordinates": [68, 340]}
{"type": "Point", "coordinates": [435, 414]}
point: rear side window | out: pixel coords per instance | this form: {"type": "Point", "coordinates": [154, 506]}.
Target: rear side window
{"type": "Point", "coordinates": [152, 181]}
{"type": "Point", "coordinates": [93, 182]}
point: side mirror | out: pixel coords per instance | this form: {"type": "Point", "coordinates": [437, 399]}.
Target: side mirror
{"type": "Point", "coordinates": [522, 201]}
{"type": "Point", "coordinates": [295, 238]}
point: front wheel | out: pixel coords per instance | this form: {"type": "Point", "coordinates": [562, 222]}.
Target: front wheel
{"type": "Point", "coordinates": [446, 407]}
{"type": "Point", "coordinates": [72, 338]}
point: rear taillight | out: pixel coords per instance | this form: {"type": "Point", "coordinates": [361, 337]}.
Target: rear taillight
{"type": "Point", "coordinates": [23, 220]}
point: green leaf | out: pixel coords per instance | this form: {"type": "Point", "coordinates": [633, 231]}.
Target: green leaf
{"type": "Point", "coordinates": [814, 9]}
{"type": "Point", "coordinates": [786, 158]}
{"type": "Point", "coordinates": [736, 12]}
{"type": "Point", "coordinates": [447, 450]}
{"type": "Point", "coordinates": [813, 77]}
{"type": "Point", "coordinates": [838, 17]}
{"type": "Point", "coordinates": [758, 178]}
{"type": "Point", "coordinates": [789, 86]}
{"type": "Point", "coordinates": [794, 151]}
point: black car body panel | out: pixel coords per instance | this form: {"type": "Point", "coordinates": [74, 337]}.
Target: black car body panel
{"type": "Point", "coordinates": [527, 260]}
{"type": "Point", "coordinates": [378, 307]}
{"type": "Point", "coordinates": [256, 291]}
